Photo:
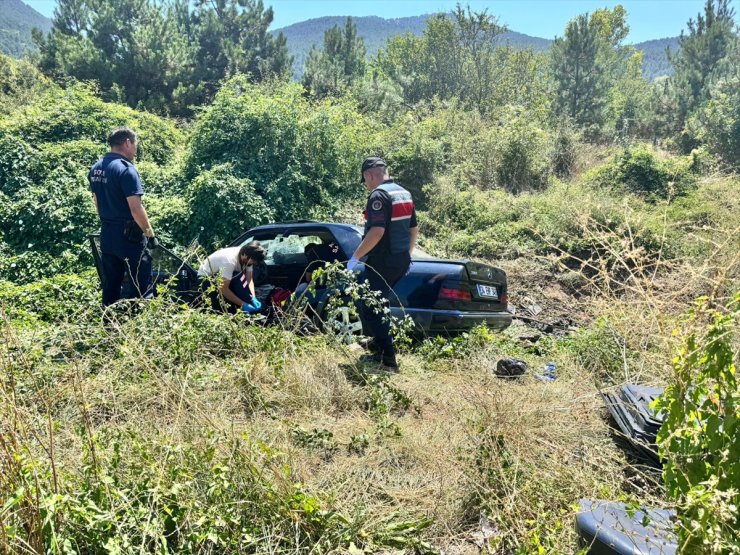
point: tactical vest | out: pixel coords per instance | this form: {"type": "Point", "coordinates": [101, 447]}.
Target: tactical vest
{"type": "Point", "coordinates": [396, 238]}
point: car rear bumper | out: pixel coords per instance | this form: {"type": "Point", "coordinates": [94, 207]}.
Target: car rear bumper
{"type": "Point", "coordinates": [445, 321]}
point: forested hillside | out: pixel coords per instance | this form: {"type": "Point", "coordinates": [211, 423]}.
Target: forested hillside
{"type": "Point", "coordinates": [16, 22]}
{"type": "Point", "coordinates": [375, 31]}
{"type": "Point", "coordinates": [609, 200]}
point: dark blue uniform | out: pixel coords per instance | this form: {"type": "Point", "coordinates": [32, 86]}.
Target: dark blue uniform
{"type": "Point", "coordinates": [391, 207]}
{"type": "Point", "coordinates": [113, 179]}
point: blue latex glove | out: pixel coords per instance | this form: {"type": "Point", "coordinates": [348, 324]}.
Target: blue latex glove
{"type": "Point", "coordinates": [253, 306]}
{"type": "Point", "coordinates": [352, 264]}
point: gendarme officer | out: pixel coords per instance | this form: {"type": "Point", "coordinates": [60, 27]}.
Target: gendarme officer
{"type": "Point", "coordinates": [125, 232]}
{"type": "Point", "coordinates": [390, 237]}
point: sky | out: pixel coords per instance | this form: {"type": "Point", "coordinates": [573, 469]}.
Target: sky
{"type": "Point", "coordinates": [648, 19]}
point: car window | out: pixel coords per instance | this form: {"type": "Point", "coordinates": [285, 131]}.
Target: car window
{"type": "Point", "coordinates": [286, 249]}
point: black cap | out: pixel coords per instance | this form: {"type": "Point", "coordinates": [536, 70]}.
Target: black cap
{"type": "Point", "coordinates": [371, 162]}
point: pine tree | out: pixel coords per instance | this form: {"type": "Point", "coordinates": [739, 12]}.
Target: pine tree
{"type": "Point", "coordinates": [338, 65]}
{"type": "Point", "coordinates": [698, 61]}
{"type": "Point", "coordinates": [159, 55]}
{"type": "Point", "coordinates": [580, 81]}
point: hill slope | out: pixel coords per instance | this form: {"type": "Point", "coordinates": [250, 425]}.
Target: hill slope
{"type": "Point", "coordinates": [375, 31]}
{"type": "Point", "coordinates": [16, 21]}
{"type": "Point", "coordinates": [656, 62]}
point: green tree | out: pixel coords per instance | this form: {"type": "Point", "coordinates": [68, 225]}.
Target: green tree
{"type": "Point", "coordinates": [230, 37]}
{"type": "Point", "coordinates": [717, 123]}
{"type": "Point", "coordinates": [132, 48]}
{"type": "Point", "coordinates": [455, 58]}
{"type": "Point", "coordinates": [579, 81]}
{"type": "Point", "coordinates": [629, 109]}
{"type": "Point", "coordinates": [699, 59]}
{"type": "Point", "coordinates": [338, 65]}
{"type": "Point", "coordinates": [405, 60]}
{"type": "Point", "coordinates": [161, 56]}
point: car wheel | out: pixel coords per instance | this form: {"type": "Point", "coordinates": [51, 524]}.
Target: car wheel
{"type": "Point", "coordinates": [344, 323]}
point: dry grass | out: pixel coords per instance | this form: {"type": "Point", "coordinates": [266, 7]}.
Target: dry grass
{"type": "Point", "coordinates": [468, 448]}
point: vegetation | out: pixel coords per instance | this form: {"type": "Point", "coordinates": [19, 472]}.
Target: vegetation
{"type": "Point", "coordinates": [167, 57]}
{"type": "Point", "coordinates": [153, 426]}
{"type": "Point", "coordinates": [700, 436]}
{"type": "Point", "coordinates": [338, 65]}
{"type": "Point", "coordinates": [16, 22]}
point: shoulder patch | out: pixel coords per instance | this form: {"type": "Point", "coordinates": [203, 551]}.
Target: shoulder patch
{"type": "Point", "coordinates": [376, 205]}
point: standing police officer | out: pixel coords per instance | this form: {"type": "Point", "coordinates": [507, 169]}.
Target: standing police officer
{"type": "Point", "coordinates": [390, 237]}
{"type": "Point", "coordinates": [125, 233]}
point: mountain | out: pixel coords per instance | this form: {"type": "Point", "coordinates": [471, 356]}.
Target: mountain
{"type": "Point", "coordinates": [375, 31]}
{"type": "Point", "coordinates": [655, 63]}
{"type": "Point", "coordinates": [16, 21]}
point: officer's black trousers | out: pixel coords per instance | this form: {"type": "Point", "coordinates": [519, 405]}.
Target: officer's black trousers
{"type": "Point", "coordinates": [138, 265]}
{"type": "Point", "coordinates": [382, 273]}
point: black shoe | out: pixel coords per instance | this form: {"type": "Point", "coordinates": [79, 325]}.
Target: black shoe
{"type": "Point", "coordinates": [377, 358]}
{"type": "Point", "coordinates": [371, 358]}
{"type": "Point", "coordinates": [390, 362]}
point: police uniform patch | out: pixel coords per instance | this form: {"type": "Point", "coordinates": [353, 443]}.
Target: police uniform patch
{"type": "Point", "coordinates": [376, 205]}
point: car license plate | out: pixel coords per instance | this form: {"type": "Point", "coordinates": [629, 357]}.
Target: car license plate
{"type": "Point", "coordinates": [487, 291]}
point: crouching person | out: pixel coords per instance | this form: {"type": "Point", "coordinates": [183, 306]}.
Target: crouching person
{"type": "Point", "coordinates": [232, 270]}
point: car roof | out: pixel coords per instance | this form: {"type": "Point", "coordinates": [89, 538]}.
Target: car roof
{"type": "Point", "coordinates": [338, 230]}
{"type": "Point", "coordinates": [305, 224]}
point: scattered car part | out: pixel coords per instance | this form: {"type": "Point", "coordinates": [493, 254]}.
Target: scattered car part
{"type": "Point", "coordinates": [630, 407]}
{"type": "Point", "coordinates": [510, 368]}
{"type": "Point", "coordinates": [607, 528]}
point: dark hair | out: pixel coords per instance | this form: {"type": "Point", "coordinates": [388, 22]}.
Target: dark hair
{"type": "Point", "coordinates": [255, 251]}
{"type": "Point", "coordinates": [120, 134]}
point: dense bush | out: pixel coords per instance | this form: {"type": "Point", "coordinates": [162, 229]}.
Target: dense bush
{"type": "Point", "coordinates": [565, 151]}
{"type": "Point", "coordinates": [26, 266]}
{"type": "Point", "coordinates": [221, 206]}
{"type": "Point", "coordinates": [20, 82]}
{"type": "Point", "coordinates": [169, 216]}
{"type": "Point", "coordinates": [302, 158]}
{"type": "Point", "coordinates": [73, 156]}
{"type": "Point", "coordinates": [717, 124]}
{"type": "Point", "coordinates": [509, 150]}
{"type": "Point", "coordinates": [52, 298]}
{"type": "Point", "coordinates": [700, 438]}
{"type": "Point", "coordinates": [61, 115]}
{"type": "Point", "coordinates": [419, 149]}
{"type": "Point", "coordinates": [16, 161]}
{"type": "Point", "coordinates": [643, 171]}
{"type": "Point", "coordinates": [162, 179]}
{"type": "Point", "coordinates": [51, 216]}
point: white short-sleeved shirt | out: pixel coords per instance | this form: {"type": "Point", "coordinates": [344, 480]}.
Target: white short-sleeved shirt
{"type": "Point", "coordinates": [223, 261]}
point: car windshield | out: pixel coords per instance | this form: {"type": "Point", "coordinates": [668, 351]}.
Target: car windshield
{"type": "Point", "coordinates": [291, 248]}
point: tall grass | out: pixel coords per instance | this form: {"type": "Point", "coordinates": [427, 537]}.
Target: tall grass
{"type": "Point", "coordinates": [161, 428]}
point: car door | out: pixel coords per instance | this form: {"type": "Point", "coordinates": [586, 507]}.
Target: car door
{"type": "Point", "coordinates": [167, 269]}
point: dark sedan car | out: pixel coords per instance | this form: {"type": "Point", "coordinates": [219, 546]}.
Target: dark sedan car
{"type": "Point", "coordinates": [441, 296]}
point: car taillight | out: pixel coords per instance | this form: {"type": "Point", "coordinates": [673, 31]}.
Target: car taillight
{"type": "Point", "coordinates": [505, 299]}
{"type": "Point", "coordinates": [455, 294]}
